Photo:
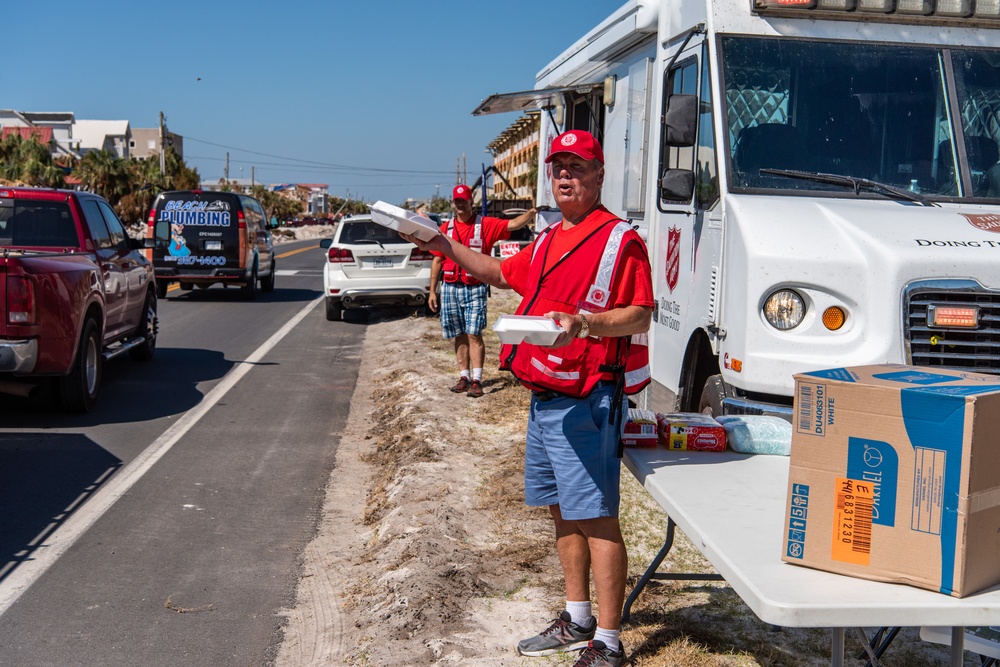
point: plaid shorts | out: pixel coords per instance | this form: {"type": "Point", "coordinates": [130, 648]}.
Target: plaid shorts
{"type": "Point", "coordinates": [463, 310]}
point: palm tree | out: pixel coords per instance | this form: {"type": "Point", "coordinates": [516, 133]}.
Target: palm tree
{"type": "Point", "coordinates": [104, 173]}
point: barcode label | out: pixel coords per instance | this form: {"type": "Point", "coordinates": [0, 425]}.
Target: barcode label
{"type": "Point", "coordinates": [809, 408]}
{"type": "Point", "coordinates": [852, 524]}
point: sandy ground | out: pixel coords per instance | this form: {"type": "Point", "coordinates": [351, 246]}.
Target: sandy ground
{"type": "Point", "coordinates": [426, 555]}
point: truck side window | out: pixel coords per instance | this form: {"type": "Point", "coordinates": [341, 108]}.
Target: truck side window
{"type": "Point", "coordinates": [114, 224]}
{"type": "Point", "coordinates": [95, 222]}
{"type": "Point", "coordinates": [706, 176]}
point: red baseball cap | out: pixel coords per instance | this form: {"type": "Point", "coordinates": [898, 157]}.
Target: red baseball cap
{"type": "Point", "coordinates": [577, 142]}
{"type": "Point", "coordinates": [461, 192]}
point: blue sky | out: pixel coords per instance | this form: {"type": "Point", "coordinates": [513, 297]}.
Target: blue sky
{"type": "Point", "coordinates": [374, 98]}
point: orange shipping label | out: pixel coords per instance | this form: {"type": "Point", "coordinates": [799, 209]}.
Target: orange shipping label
{"type": "Point", "coordinates": [852, 521]}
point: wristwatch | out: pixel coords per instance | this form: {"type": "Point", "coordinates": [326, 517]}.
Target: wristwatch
{"type": "Point", "coordinates": [584, 327]}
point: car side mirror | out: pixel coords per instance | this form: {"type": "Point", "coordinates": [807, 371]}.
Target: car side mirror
{"type": "Point", "coordinates": [680, 120]}
{"type": "Point", "coordinates": [136, 244]}
{"type": "Point", "coordinates": [677, 185]}
{"type": "Point", "coordinates": [325, 243]}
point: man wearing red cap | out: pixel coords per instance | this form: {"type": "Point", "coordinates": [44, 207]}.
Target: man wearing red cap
{"type": "Point", "coordinates": [463, 297]}
{"type": "Point", "coordinates": [591, 275]}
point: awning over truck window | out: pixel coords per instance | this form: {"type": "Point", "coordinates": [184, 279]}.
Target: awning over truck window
{"type": "Point", "coordinates": [530, 99]}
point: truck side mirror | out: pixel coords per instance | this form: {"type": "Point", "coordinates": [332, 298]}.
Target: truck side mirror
{"type": "Point", "coordinates": [149, 243]}
{"type": "Point", "coordinates": [680, 120]}
{"type": "Point", "coordinates": [677, 185]}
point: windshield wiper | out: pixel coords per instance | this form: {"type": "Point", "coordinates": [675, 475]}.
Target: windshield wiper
{"type": "Point", "coordinates": [370, 241]}
{"type": "Point", "coordinates": [858, 184]}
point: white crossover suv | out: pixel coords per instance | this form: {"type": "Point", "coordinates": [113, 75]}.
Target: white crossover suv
{"type": "Point", "coordinates": [368, 264]}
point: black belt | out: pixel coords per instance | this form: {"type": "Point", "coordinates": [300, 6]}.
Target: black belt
{"type": "Point", "coordinates": [459, 283]}
{"type": "Point", "coordinates": [548, 394]}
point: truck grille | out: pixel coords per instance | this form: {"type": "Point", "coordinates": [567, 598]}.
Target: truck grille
{"type": "Point", "coordinates": [975, 350]}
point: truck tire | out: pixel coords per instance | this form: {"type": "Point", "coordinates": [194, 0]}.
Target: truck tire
{"type": "Point", "coordinates": [249, 290]}
{"type": "Point", "coordinates": [161, 289]}
{"type": "Point", "coordinates": [711, 396]}
{"type": "Point", "coordinates": [78, 390]}
{"type": "Point", "coordinates": [267, 284]}
{"type": "Point", "coordinates": [334, 310]}
{"type": "Point", "coordinates": [187, 286]}
{"type": "Point", "coordinates": [147, 328]}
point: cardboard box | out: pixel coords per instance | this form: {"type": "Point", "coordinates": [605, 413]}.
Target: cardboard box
{"type": "Point", "coordinates": [690, 430]}
{"type": "Point", "coordinates": [640, 428]}
{"type": "Point", "coordinates": [895, 476]}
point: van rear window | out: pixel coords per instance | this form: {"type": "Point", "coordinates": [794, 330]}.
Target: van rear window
{"type": "Point", "coordinates": [38, 224]}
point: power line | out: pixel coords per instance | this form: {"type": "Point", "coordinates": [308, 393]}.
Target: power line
{"type": "Point", "coordinates": [314, 163]}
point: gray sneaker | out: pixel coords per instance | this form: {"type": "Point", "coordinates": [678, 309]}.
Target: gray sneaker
{"type": "Point", "coordinates": [562, 635]}
{"type": "Point", "coordinates": [597, 654]}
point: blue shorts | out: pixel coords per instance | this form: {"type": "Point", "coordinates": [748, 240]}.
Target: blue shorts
{"type": "Point", "coordinates": [463, 310]}
{"type": "Point", "coordinates": [571, 455]}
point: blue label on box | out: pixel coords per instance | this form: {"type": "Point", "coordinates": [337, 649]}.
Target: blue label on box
{"type": "Point", "coordinates": [796, 545]}
{"type": "Point", "coordinates": [876, 462]}
{"type": "Point", "coordinates": [915, 377]}
{"type": "Point", "coordinates": [841, 374]}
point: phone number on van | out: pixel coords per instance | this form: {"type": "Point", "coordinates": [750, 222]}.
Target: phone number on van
{"type": "Point", "coordinates": [203, 261]}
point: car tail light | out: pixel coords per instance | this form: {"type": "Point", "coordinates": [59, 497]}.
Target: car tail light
{"type": "Point", "coordinates": [20, 300]}
{"type": "Point", "coordinates": [418, 255]}
{"type": "Point", "coordinates": [339, 255]}
{"type": "Point", "coordinates": [240, 220]}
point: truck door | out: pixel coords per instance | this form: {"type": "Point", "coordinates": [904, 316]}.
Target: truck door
{"type": "Point", "coordinates": [686, 235]}
{"type": "Point", "coordinates": [133, 270]}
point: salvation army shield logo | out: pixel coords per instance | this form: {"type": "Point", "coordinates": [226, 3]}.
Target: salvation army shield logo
{"type": "Point", "coordinates": [989, 222]}
{"type": "Point", "coordinates": [673, 257]}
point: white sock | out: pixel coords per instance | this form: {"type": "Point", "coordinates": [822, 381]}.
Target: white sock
{"type": "Point", "coordinates": [477, 374]}
{"type": "Point", "coordinates": [580, 612]}
{"type": "Point", "coordinates": [464, 373]}
{"type": "Point", "coordinates": [609, 637]}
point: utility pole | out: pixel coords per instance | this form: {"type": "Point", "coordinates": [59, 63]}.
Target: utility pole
{"type": "Point", "coordinates": [227, 167]}
{"type": "Point", "coordinates": [458, 171]}
{"type": "Point", "coordinates": [465, 174]}
{"type": "Point", "coordinates": [163, 148]}
{"type": "Point", "coordinates": [253, 178]}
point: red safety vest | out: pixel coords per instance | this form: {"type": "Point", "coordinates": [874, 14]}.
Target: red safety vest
{"type": "Point", "coordinates": [576, 369]}
{"type": "Point", "coordinates": [451, 271]}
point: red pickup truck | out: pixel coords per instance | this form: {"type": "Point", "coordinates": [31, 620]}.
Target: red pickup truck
{"type": "Point", "coordinates": [75, 291]}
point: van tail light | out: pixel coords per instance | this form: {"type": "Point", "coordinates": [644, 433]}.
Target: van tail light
{"type": "Point", "coordinates": [418, 255]}
{"type": "Point", "coordinates": [240, 220]}
{"type": "Point", "coordinates": [151, 220]}
{"type": "Point", "coordinates": [339, 255]}
{"type": "Point", "coordinates": [20, 300]}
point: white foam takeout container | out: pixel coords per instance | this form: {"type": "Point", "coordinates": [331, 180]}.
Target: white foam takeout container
{"type": "Point", "coordinates": [514, 329]}
{"type": "Point", "coordinates": [404, 221]}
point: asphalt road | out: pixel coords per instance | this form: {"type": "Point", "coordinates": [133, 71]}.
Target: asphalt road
{"type": "Point", "coordinates": [165, 527]}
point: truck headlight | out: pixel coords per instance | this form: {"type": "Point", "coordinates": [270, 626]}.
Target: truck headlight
{"type": "Point", "coordinates": [784, 309]}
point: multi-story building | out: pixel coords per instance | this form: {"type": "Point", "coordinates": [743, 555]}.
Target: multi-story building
{"type": "Point", "coordinates": [515, 157]}
{"type": "Point", "coordinates": [146, 142]}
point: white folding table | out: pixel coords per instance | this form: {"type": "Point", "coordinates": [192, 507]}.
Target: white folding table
{"type": "Point", "coordinates": [732, 507]}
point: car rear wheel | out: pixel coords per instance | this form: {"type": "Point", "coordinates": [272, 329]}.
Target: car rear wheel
{"type": "Point", "coordinates": [147, 328]}
{"type": "Point", "coordinates": [249, 290]}
{"type": "Point", "coordinates": [79, 389]}
{"type": "Point", "coordinates": [267, 284]}
{"type": "Point", "coordinates": [334, 310]}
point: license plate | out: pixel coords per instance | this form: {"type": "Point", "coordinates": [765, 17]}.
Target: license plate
{"type": "Point", "coordinates": [382, 263]}
{"type": "Point", "coordinates": [213, 245]}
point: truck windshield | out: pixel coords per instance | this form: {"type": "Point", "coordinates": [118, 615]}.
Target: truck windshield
{"type": "Point", "coordinates": [862, 110]}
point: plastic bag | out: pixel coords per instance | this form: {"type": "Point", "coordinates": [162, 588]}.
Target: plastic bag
{"type": "Point", "coordinates": [757, 434]}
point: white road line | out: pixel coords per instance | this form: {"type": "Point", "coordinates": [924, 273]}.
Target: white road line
{"type": "Point", "coordinates": [45, 556]}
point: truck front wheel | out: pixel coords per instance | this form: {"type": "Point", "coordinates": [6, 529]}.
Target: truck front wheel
{"type": "Point", "coordinates": [147, 329]}
{"type": "Point", "coordinates": [79, 389]}
{"type": "Point", "coordinates": [711, 396]}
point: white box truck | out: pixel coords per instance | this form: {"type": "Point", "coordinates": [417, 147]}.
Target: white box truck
{"type": "Point", "coordinates": [817, 181]}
